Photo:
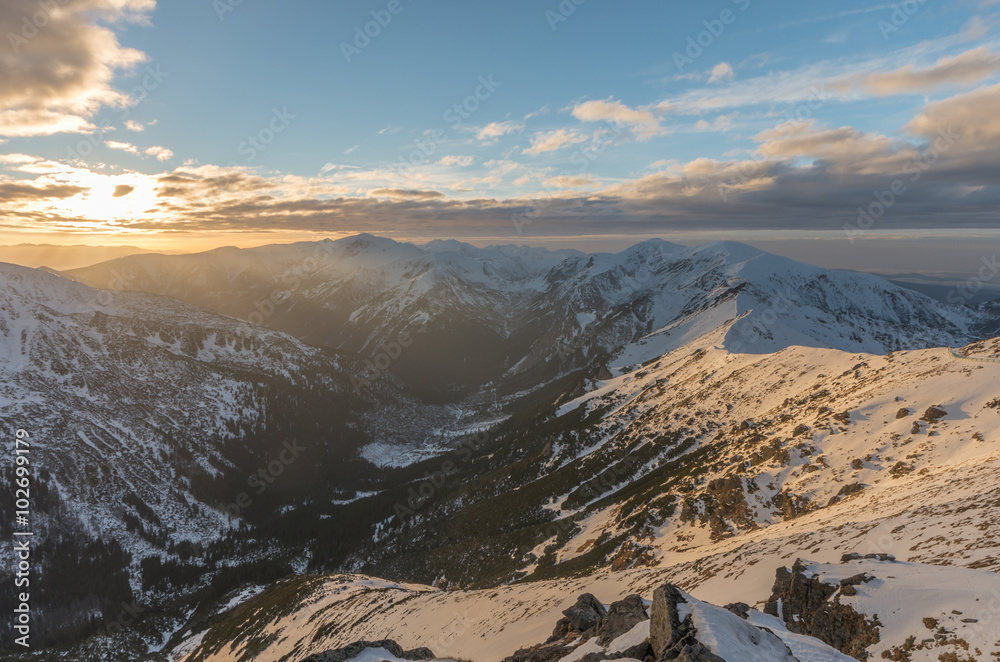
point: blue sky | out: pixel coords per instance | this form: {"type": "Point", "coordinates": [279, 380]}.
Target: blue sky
{"type": "Point", "coordinates": [215, 122]}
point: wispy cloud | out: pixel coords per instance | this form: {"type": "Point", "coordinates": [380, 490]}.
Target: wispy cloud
{"type": "Point", "coordinates": [550, 141]}
{"type": "Point", "coordinates": [494, 130]}
{"type": "Point", "coordinates": [643, 123]}
{"type": "Point", "coordinates": [122, 146]}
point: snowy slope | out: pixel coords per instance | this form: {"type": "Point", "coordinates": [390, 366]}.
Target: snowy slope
{"type": "Point", "coordinates": [484, 626]}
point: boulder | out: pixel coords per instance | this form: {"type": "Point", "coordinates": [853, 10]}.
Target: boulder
{"type": "Point", "coordinates": [586, 614]}
{"type": "Point", "coordinates": [741, 609]}
{"type": "Point", "coordinates": [665, 630]}
{"type": "Point", "coordinates": [621, 618]}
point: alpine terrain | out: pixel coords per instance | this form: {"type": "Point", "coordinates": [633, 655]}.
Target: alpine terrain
{"type": "Point", "coordinates": [364, 449]}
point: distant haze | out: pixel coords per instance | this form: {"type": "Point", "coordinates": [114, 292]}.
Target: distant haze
{"type": "Point", "coordinates": [63, 257]}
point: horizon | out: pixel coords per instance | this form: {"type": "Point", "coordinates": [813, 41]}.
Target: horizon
{"type": "Point", "coordinates": [934, 257]}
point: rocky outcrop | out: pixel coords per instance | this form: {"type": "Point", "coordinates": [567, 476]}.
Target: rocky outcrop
{"type": "Point", "coordinates": [586, 614]}
{"type": "Point", "coordinates": [812, 607]}
{"type": "Point", "coordinates": [585, 619]}
{"type": "Point", "coordinates": [358, 647]}
{"type": "Point", "coordinates": [621, 618]}
{"type": "Point", "coordinates": [674, 638]}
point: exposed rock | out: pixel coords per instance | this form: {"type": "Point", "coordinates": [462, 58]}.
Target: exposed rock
{"type": "Point", "coordinates": [846, 491]}
{"type": "Point", "coordinates": [587, 613]}
{"type": "Point", "coordinates": [806, 608]}
{"type": "Point", "coordinates": [790, 505]}
{"type": "Point", "coordinates": [881, 557]}
{"type": "Point", "coordinates": [741, 609]}
{"type": "Point", "coordinates": [631, 555]}
{"type": "Point", "coordinates": [638, 652]}
{"type": "Point", "coordinates": [853, 556]}
{"type": "Point", "coordinates": [621, 618]}
{"type": "Point", "coordinates": [665, 624]}
{"type": "Point", "coordinates": [696, 653]}
{"type": "Point", "coordinates": [724, 502]}
{"type": "Point", "coordinates": [547, 652]}
{"type": "Point", "coordinates": [933, 414]}
{"type": "Point", "coordinates": [358, 647]}
{"type": "Point", "coordinates": [903, 413]}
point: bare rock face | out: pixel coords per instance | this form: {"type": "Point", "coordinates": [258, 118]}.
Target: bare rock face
{"type": "Point", "coordinates": [669, 636]}
{"type": "Point", "coordinates": [804, 603]}
{"type": "Point", "coordinates": [587, 613]}
{"type": "Point", "coordinates": [665, 625]}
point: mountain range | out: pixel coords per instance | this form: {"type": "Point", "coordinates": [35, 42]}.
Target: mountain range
{"type": "Point", "coordinates": [501, 429]}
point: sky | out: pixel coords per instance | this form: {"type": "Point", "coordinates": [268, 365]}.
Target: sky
{"type": "Point", "coordinates": [189, 125]}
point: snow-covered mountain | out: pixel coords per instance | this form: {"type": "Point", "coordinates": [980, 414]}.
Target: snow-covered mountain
{"type": "Point", "coordinates": [518, 315]}
{"type": "Point", "coordinates": [698, 416]}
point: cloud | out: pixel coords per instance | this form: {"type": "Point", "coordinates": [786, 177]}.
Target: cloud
{"type": "Point", "coordinates": [161, 153]}
{"type": "Point", "coordinates": [721, 72]}
{"type": "Point", "coordinates": [23, 191]}
{"type": "Point", "coordinates": [843, 150]}
{"type": "Point", "coordinates": [22, 122]}
{"type": "Point", "coordinates": [976, 115]}
{"type": "Point", "coordinates": [966, 69]}
{"type": "Point", "coordinates": [494, 130]}
{"type": "Point", "coordinates": [132, 125]}
{"type": "Point", "coordinates": [804, 175]}
{"type": "Point", "coordinates": [122, 190]}
{"type": "Point", "coordinates": [461, 161]}
{"type": "Point", "coordinates": [643, 123]}
{"type": "Point", "coordinates": [57, 75]}
{"type": "Point", "coordinates": [550, 141]}
{"type": "Point", "coordinates": [569, 181]}
{"type": "Point", "coordinates": [125, 147]}
{"type": "Point", "coordinates": [19, 159]}
{"type": "Point", "coordinates": [721, 123]}
{"type": "Point", "coordinates": [407, 194]}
